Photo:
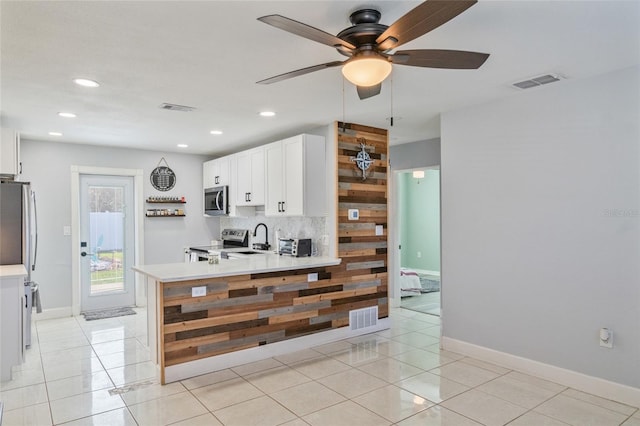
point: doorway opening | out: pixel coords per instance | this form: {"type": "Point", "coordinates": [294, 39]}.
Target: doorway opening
{"type": "Point", "coordinates": [107, 232]}
{"type": "Point", "coordinates": [419, 235]}
{"type": "Point", "coordinates": [107, 242]}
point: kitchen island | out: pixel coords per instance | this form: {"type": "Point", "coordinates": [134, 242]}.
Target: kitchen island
{"type": "Point", "coordinates": [11, 300]}
{"type": "Point", "coordinates": [205, 317]}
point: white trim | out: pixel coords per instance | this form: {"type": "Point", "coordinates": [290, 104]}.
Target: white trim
{"type": "Point", "coordinates": [185, 370]}
{"type": "Point", "coordinates": [593, 385]}
{"type": "Point", "coordinates": [138, 189]}
{"type": "Point", "coordinates": [393, 233]}
{"type": "Point", "coordinates": [53, 313]}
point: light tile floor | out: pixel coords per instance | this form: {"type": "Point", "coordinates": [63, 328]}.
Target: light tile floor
{"type": "Point", "coordinates": [99, 373]}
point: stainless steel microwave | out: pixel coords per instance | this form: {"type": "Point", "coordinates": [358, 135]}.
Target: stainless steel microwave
{"type": "Point", "coordinates": [216, 201]}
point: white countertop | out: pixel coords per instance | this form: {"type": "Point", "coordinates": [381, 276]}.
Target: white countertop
{"type": "Point", "coordinates": [252, 264]}
{"type": "Point", "coordinates": [12, 271]}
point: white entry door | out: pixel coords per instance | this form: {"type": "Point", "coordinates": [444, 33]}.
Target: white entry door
{"type": "Point", "coordinates": [106, 242]}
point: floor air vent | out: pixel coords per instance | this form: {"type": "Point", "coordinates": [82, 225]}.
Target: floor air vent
{"type": "Point", "coordinates": [363, 318]}
{"type": "Point", "coordinates": [537, 81]}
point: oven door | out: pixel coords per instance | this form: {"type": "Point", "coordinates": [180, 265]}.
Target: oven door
{"type": "Point", "coordinates": [216, 201]}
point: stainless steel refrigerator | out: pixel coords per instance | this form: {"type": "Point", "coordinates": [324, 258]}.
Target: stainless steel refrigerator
{"type": "Point", "coordinates": [19, 239]}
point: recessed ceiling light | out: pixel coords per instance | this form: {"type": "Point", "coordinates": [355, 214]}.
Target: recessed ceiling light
{"type": "Point", "coordinates": [183, 145]}
{"type": "Point", "coordinates": [86, 82]}
{"type": "Point", "coordinates": [67, 114]}
{"type": "Point", "coordinates": [267, 113]}
{"type": "Point", "coordinates": [55, 134]}
{"type": "Point", "coordinates": [216, 132]}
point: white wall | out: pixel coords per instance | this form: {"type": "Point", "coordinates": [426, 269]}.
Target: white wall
{"type": "Point", "coordinates": [47, 166]}
{"type": "Point", "coordinates": [415, 155]}
{"type": "Point", "coordinates": [541, 225]}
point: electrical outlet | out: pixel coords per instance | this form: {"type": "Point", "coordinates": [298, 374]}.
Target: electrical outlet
{"type": "Point", "coordinates": [419, 254]}
{"type": "Point", "coordinates": [353, 214]}
{"type": "Point", "coordinates": [312, 277]}
{"type": "Point", "coordinates": [199, 291]}
{"type": "Point", "coordinates": [66, 230]}
{"type": "Point", "coordinates": [379, 230]}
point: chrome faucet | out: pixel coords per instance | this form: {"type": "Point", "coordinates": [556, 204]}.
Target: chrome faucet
{"type": "Point", "coordinates": [264, 246]}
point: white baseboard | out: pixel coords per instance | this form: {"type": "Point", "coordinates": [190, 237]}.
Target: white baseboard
{"type": "Point", "coordinates": [53, 313]}
{"type": "Point", "coordinates": [185, 370]}
{"type": "Point", "coordinates": [593, 385]}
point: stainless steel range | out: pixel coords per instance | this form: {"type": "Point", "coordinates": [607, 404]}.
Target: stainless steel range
{"type": "Point", "coordinates": [233, 240]}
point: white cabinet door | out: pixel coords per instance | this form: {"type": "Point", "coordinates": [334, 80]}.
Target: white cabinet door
{"type": "Point", "coordinates": [296, 177]}
{"type": "Point", "coordinates": [208, 174]}
{"type": "Point", "coordinates": [216, 172]}
{"type": "Point", "coordinates": [274, 193]}
{"type": "Point", "coordinates": [294, 182]}
{"type": "Point", "coordinates": [222, 171]}
{"type": "Point", "coordinates": [10, 152]}
{"type": "Point", "coordinates": [243, 179]}
{"type": "Point", "coordinates": [257, 177]}
{"type": "Point", "coordinates": [250, 178]}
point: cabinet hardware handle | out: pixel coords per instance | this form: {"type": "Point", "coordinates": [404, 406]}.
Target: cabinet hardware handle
{"type": "Point", "coordinates": [248, 196]}
{"type": "Point", "coordinates": [283, 207]}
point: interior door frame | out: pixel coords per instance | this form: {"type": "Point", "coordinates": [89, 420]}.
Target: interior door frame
{"type": "Point", "coordinates": [394, 224]}
{"type": "Point", "coordinates": [138, 221]}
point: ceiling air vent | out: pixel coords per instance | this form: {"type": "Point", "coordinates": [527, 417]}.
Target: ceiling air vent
{"type": "Point", "coordinates": [537, 81]}
{"type": "Point", "coordinates": [174, 107]}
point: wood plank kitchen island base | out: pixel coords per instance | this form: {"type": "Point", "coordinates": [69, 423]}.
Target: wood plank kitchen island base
{"type": "Point", "coordinates": [269, 306]}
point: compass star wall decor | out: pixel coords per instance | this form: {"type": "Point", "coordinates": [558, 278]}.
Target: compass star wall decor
{"type": "Point", "coordinates": [363, 160]}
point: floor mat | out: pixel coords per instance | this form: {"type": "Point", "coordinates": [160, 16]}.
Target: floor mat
{"type": "Point", "coordinates": [108, 313]}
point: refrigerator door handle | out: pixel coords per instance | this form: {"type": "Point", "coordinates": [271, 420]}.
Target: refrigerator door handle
{"type": "Point", "coordinates": [35, 222]}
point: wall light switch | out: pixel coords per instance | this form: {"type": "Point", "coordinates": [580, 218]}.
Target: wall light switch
{"type": "Point", "coordinates": [379, 230]}
{"type": "Point", "coordinates": [199, 291]}
{"type": "Point", "coordinates": [354, 214]}
{"type": "Point", "coordinates": [312, 277]}
{"type": "Point", "coordinates": [66, 230]}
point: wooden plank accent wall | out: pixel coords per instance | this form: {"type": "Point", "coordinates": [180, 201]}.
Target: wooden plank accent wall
{"type": "Point", "coordinates": [246, 311]}
{"type": "Point", "coordinates": [363, 253]}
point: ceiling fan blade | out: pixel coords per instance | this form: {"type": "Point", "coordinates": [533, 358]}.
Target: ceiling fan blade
{"type": "Point", "coordinates": [426, 17]}
{"type": "Point", "coordinates": [436, 58]}
{"type": "Point", "coordinates": [306, 31]}
{"type": "Point", "coordinates": [299, 72]}
{"type": "Point", "coordinates": [367, 92]}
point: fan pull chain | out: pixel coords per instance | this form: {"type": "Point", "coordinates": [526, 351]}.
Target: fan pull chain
{"type": "Point", "coordinates": [391, 93]}
{"type": "Point", "coordinates": [343, 107]}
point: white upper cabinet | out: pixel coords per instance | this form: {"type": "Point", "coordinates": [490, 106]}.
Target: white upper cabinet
{"type": "Point", "coordinates": [296, 177]}
{"type": "Point", "coordinates": [10, 153]}
{"type": "Point", "coordinates": [250, 176]}
{"type": "Point", "coordinates": [216, 172]}
{"type": "Point", "coordinates": [274, 179]}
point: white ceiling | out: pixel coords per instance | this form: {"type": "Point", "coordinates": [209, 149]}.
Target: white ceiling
{"type": "Point", "coordinates": [209, 54]}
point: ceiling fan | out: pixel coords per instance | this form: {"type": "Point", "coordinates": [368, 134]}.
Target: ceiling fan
{"type": "Point", "coordinates": [368, 44]}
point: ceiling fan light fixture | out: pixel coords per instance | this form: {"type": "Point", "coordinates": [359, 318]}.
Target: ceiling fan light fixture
{"type": "Point", "coordinates": [367, 71]}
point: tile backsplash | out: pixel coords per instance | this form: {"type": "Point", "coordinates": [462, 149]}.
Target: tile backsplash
{"type": "Point", "coordinates": [290, 227]}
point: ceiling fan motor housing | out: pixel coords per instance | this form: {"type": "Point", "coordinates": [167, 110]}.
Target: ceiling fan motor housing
{"type": "Point", "coordinates": [364, 32]}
